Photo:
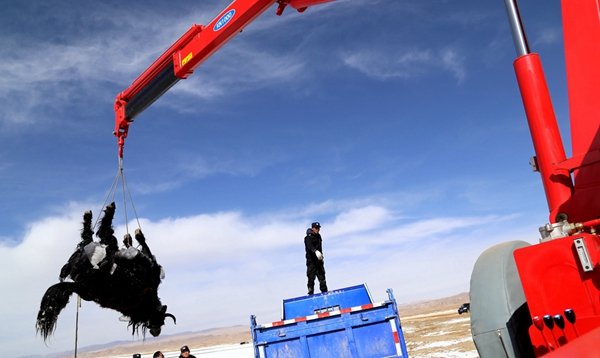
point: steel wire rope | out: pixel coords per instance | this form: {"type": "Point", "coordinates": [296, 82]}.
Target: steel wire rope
{"type": "Point", "coordinates": [111, 193]}
{"type": "Point", "coordinates": [127, 192]}
{"type": "Point", "coordinates": [124, 197]}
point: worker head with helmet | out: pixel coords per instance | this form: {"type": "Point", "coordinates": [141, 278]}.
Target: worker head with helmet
{"type": "Point", "coordinates": [315, 227]}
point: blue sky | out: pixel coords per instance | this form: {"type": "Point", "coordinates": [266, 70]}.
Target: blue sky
{"type": "Point", "coordinates": [397, 124]}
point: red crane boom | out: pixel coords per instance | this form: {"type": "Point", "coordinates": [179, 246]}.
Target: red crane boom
{"type": "Point", "coordinates": [187, 53]}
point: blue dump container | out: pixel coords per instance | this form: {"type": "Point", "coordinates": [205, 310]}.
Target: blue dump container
{"type": "Point", "coordinates": [336, 324]}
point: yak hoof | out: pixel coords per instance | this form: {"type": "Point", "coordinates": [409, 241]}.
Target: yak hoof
{"type": "Point", "coordinates": [127, 241]}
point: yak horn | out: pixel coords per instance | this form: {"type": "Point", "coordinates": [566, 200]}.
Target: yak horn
{"type": "Point", "coordinates": [170, 315]}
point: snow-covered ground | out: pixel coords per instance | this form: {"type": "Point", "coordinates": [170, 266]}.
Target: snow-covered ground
{"type": "Point", "coordinates": [222, 351]}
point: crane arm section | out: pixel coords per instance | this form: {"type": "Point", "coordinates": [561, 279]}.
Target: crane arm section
{"type": "Point", "coordinates": [572, 185]}
{"type": "Point", "coordinates": [187, 53]}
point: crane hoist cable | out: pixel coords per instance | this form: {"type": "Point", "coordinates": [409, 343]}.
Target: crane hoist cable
{"type": "Point", "coordinates": [112, 192]}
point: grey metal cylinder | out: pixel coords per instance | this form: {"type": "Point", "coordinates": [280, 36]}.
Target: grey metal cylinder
{"type": "Point", "coordinates": [516, 27]}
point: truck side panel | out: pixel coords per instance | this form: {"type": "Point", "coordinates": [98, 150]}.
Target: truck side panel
{"type": "Point", "coordinates": [372, 332]}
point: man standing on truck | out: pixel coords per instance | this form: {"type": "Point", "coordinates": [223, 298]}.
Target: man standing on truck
{"type": "Point", "coordinates": [314, 258]}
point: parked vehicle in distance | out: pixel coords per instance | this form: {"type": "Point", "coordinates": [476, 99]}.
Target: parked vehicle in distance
{"type": "Point", "coordinates": [466, 307]}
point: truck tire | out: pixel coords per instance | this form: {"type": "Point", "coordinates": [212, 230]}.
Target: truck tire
{"type": "Point", "coordinates": [500, 318]}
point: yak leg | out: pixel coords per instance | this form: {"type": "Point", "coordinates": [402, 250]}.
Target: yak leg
{"type": "Point", "coordinates": [139, 236]}
{"type": "Point", "coordinates": [53, 302]}
{"type": "Point", "coordinates": [156, 271]}
{"type": "Point", "coordinates": [87, 236]}
{"type": "Point", "coordinates": [105, 231]}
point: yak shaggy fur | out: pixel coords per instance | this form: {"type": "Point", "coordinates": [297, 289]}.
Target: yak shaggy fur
{"type": "Point", "coordinates": [125, 280]}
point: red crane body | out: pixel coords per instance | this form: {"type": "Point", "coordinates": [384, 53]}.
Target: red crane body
{"type": "Point", "coordinates": [560, 276]}
{"type": "Point", "coordinates": [187, 53]}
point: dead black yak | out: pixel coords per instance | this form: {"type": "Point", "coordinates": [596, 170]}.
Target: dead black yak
{"type": "Point", "coordinates": [125, 280]}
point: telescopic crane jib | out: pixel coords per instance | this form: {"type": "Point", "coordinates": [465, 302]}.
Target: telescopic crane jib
{"type": "Point", "coordinates": [187, 53]}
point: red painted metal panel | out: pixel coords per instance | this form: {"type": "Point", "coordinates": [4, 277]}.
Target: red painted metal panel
{"type": "Point", "coordinates": [224, 26]}
{"type": "Point", "coordinates": [581, 27]}
{"type": "Point", "coordinates": [585, 346]}
{"type": "Point", "coordinates": [553, 281]}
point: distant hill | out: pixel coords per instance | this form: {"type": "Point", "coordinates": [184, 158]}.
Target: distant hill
{"type": "Point", "coordinates": [428, 306]}
{"type": "Point", "coordinates": [204, 338]}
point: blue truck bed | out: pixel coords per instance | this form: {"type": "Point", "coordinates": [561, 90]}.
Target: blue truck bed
{"type": "Point", "coordinates": [336, 324]}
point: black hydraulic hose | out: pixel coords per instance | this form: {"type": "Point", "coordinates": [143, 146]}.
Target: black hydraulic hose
{"type": "Point", "coordinates": [151, 92]}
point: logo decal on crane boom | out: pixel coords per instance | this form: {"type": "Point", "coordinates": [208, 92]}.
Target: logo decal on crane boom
{"type": "Point", "coordinates": [224, 20]}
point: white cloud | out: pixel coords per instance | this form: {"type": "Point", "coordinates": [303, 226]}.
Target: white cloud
{"type": "Point", "coordinates": [45, 75]}
{"type": "Point", "coordinates": [408, 64]}
{"type": "Point", "coordinates": [547, 36]}
{"type": "Point", "coordinates": [190, 165]}
{"type": "Point", "coordinates": [382, 66]}
{"type": "Point", "coordinates": [211, 260]}
{"type": "Point", "coordinates": [359, 220]}
{"type": "Point", "coordinates": [241, 67]}
{"type": "Point", "coordinates": [42, 74]}
{"type": "Point", "coordinates": [454, 63]}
